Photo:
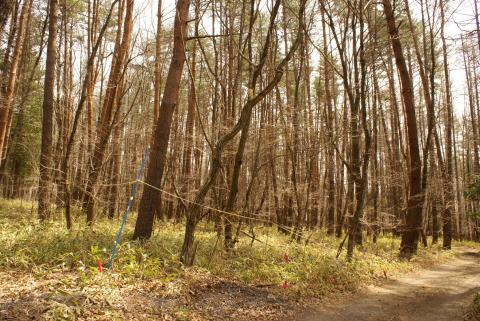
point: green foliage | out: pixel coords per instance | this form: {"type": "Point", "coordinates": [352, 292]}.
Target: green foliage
{"type": "Point", "coordinates": [473, 190]}
{"type": "Point", "coordinates": [25, 149]}
{"type": "Point", "coordinates": [312, 270]}
{"type": "Point", "coordinates": [476, 303]}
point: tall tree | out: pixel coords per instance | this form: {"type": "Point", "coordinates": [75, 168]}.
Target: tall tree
{"type": "Point", "coordinates": [45, 181]}
{"type": "Point", "coordinates": [193, 211]}
{"type": "Point", "coordinates": [330, 135]}
{"type": "Point", "coordinates": [158, 64]}
{"type": "Point", "coordinates": [11, 76]}
{"type": "Point", "coordinates": [413, 222]}
{"type": "Point", "coordinates": [86, 82]}
{"type": "Point", "coordinates": [161, 135]}
{"type": "Point", "coordinates": [108, 110]}
{"type": "Point", "coordinates": [449, 181]}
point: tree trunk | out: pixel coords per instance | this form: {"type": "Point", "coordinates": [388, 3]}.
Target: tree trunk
{"type": "Point", "coordinates": [158, 65]}
{"type": "Point", "coordinates": [8, 88]}
{"type": "Point", "coordinates": [193, 212]}
{"type": "Point", "coordinates": [161, 135]}
{"type": "Point", "coordinates": [413, 226]}
{"type": "Point", "coordinates": [330, 155]}
{"type": "Point", "coordinates": [5, 11]}
{"type": "Point", "coordinates": [45, 180]}
{"type": "Point", "coordinates": [107, 113]}
{"type": "Point", "coordinates": [360, 174]}
{"type": "Point", "coordinates": [116, 159]}
{"type": "Point", "coordinates": [65, 168]}
{"type": "Point", "coordinates": [449, 179]}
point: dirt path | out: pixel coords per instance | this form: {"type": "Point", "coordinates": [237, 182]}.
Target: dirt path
{"type": "Point", "coordinates": [440, 293]}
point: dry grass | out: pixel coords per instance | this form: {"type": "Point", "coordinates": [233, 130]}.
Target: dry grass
{"type": "Point", "coordinates": [43, 253]}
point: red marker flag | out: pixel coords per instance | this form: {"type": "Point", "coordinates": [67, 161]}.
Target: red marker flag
{"type": "Point", "coordinates": [285, 285]}
{"type": "Point", "coordinates": [285, 257]}
{"type": "Point", "coordinates": [100, 268]}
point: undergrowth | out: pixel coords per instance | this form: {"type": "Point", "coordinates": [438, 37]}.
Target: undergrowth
{"type": "Point", "coordinates": [476, 303]}
{"type": "Point", "coordinates": [312, 269]}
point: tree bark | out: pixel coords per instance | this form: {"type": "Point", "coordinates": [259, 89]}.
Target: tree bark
{"type": "Point", "coordinates": [413, 222]}
{"type": "Point", "coordinates": [193, 212]}
{"type": "Point", "coordinates": [45, 180]}
{"type": "Point", "coordinates": [6, 9]}
{"type": "Point", "coordinates": [107, 114]}
{"type": "Point", "coordinates": [161, 135]}
{"type": "Point", "coordinates": [158, 65]}
{"type": "Point", "coordinates": [8, 88]}
{"type": "Point", "coordinates": [330, 155]}
{"type": "Point", "coordinates": [65, 167]}
{"type": "Point", "coordinates": [449, 179]}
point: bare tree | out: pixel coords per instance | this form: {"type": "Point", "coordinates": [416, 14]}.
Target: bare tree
{"type": "Point", "coordinates": [45, 181]}
{"type": "Point", "coordinates": [411, 231]}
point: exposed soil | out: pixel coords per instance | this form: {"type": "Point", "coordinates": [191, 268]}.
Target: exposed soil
{"type": "Point", "coordinates": [227, 300]}
{"type": "Point", "coordinates": [444, 292]}
{"type": "Point", "coordinates": [62, 296]}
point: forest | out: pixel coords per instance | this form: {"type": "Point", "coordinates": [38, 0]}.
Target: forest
{"type": "Point", "coordinates": [239, 160]}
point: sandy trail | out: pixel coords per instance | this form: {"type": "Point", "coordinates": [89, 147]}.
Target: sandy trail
{"type": "Point", "coordinates": [443, 292]}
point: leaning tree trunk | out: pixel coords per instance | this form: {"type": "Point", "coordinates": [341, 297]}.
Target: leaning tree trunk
{"type": "Point", "coordinates": [161, 135]}
{"type": "Point", "coordinates": [193, 212]}
{"type": "Point", "coordinates": [65, 167]}
{"type": "Point", "coordinates": [413, 222]}
{"type": "Point", "coordinates": [108, 112]}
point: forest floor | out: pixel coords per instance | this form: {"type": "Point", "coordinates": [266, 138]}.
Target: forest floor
{"type": "Point", "coordinates": [444, 292]}
{"type": "Point", "coordinates": [49, 273]}
{"type": "Point", "coordinates": [440, 293]}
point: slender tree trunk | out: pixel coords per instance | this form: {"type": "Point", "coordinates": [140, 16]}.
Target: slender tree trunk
{"type": "Point", "coordinates": [360, 174]}
{"type": "Point", "coordinates": [477, 23]}
{"type": "Point", "coordinates": [434, 200]}
{"type": "Point", "coordinates": [65, 168]}
{"type": "Point", "coordinates": [330, 155]}
{"type": "Point", "coordinates": [158, 65]}
{"type": "Point", "coordinates": [413, 226]}
{"type": "Point", "coordinates": [45, 180]}
{"type": "Point", "coordinates": [191, 115]}
{"type": "Point", "coordinates": [8, 88]}
{"type": "Point", "coordinates": [116, 158]}
{"type": "Point", "coordinates": [232, 80]}
{"type": "Point", "coordinates": [349, 192]}
{"type": "Point", "coordinates": [473, 115]}
{"type": "Point", "coordinates": [189, 247]}
{"type": "Point", "coordinates": [449, 182]}
{"type": "Point", "coordinates": [107, 114]}
{"type": "Point", "coordinates": [375, 168]}
{"type": "Point", "coordinates": [5, 11]}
